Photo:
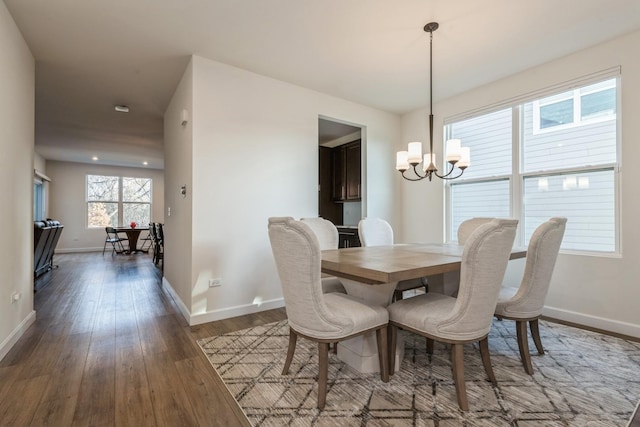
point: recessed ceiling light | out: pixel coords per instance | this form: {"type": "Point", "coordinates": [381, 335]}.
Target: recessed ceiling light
{"type": "Point", "coordinates": [94, 158]}
{"type": "Point", "coordinates": [145, 163]}
{"type": "Point", "coordinates": [122, 108]}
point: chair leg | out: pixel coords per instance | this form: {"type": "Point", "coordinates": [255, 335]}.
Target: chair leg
{"type": "Point", "coordinates": [392, 342]}
{"type": "Point", "coordinates": [535, 334]}
{"type": "Point", "coordinates": [457, 362]}
{"type": "Point", "coordinates": [523, 345]}
{"type": "Point", "coordinates": [323, 372]}
{"type": "Point", "coordinates": [381, 339]}
{"type": "Point", "coordinates": [486, 359]}
{"type": "Point", "coordinates": [293, 338]}
{"type": "Point", "coordinates": [429, 346]}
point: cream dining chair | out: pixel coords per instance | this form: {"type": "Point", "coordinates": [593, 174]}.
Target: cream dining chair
{"type": "Point", "coordinates": [467, 227]}
{"type": "Point", "coordinates": [378, 232]}
{"type": "Point", "coordinates": [328, 238]}
{"type": "Point", "coordinates": [467, 318]}
{"type": "Point", "coordinates": [323, 318]}
{"type": "Point", "coordinates": [524, 304]}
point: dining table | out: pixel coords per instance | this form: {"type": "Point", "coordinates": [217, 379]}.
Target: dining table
{"type": "Point", "coordinates": [371, 274]}
{"type": "Point", "coordinates": [133, 234]}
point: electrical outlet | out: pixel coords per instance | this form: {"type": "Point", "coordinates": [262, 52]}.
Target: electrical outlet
{"type": "Point", "coordinates": [214, 283]}
{"type": "Point", "coordinates": [15, 297]}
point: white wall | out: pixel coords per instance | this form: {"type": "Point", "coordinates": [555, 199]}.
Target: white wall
{"type": "Point", "coordinates": [255, 148]}
{"type": "Point", "coordinates": [601, 291]}
{"type": "Point", "coordinates": [17, 107]}
{"type": "Point", "coordinates": [67, 201]}
{"type": "Point", "coordinates": [39, 163]}
{"type": "Point", "coordinates": [178, 166]}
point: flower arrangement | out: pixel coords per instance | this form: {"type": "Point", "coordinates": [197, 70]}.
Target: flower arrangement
{"type": "Point", "coordinates": [133, 224]}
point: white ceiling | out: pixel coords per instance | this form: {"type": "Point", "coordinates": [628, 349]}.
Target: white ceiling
{"type": "Point", "coordinates": [92, 55]}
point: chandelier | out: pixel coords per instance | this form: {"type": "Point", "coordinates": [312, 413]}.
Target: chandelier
{"type": "Point", "coordinates": [456, 156]}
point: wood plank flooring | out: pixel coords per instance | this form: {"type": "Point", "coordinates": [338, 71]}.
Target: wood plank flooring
{"type": "Point", "coordinates": [109, 348]}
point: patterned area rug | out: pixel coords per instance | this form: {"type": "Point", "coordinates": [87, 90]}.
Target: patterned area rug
{"type": "Point", "coordinates": [584, 379]}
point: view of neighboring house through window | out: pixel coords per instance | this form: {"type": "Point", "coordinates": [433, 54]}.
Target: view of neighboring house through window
{"type": "Point", "coordinates": [117, 201]}
{"type": "Point", "coordinates": [554, 155]}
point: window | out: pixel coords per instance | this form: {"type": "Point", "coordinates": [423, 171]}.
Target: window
{"type": "Point", "coordinates": [577, 107]}
{"type": "Point", "coordinates": [40, 191]}
{"type": "Point", "coordinates": [115, 201]}
{"type": "Point", "coordinates": [550, 156]}
{"type": "Point", "coordinates": [38, 200]}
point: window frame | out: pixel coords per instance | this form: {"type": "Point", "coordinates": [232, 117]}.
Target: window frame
{"type": "Point", "coordinates": [517, 177]}
{"type": "Point", "coordinates": [120, 202]}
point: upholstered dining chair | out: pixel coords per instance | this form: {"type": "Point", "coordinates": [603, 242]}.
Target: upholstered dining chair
{"type": "Point", "coordinates": [467, 318]}
{"type": "Point", "coordinates": [467, 227]}
{"type": "Point", "coordinates": [327, 235]}
{"type": "Point", "coordinates": [524, 304]}
{"type": "Point", "coordinates": [378, 232]}
{"type": "Point", "coordinates": [323, 318]}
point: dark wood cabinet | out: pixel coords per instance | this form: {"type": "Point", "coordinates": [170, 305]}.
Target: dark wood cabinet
{"type": "Point", "coordinates": [338, 170]}
{"type": "Point", "coordinates": [352, 171]}
{"type": "Point", "coordinates": [327, 208]}
{"type": "Point", "coordinates": [346, 168]}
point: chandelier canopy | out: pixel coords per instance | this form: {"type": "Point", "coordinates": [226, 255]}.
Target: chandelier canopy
{"type": "Point", "coordinates": [456, 156]}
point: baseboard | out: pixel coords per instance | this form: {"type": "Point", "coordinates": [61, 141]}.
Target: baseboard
{"type": "Point", "coordinates": [13, 338]}
{"type": "Point", "coordinates": [76, 250]}
{"type": "Point", "coordinates": [183, 308]}
{"type": "Point", "coordinates": [224, 313]}
{"type": "Point", "coordinates": [595, 322]}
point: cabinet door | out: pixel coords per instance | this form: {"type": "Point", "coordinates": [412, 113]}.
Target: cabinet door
{"type": "Point", "coordinates": [338, 163]}
{"type": "Point", "coordinates": [353, 171]}
{"type": "Point", "coordinates": [327, 208]}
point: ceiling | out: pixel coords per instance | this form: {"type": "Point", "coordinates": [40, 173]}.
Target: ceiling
{"type": "Point", "coordinates": [93, 55]}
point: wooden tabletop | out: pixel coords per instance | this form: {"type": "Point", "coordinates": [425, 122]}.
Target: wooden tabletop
{"type": "Point", "coordinates": [384, 264]}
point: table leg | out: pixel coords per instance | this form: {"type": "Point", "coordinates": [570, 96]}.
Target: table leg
{"type": "Point", "coordinates": [361, 352]}
{"type": "Point", "coordinates": [446, 283]}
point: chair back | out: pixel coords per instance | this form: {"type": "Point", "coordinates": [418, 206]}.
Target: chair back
{"type": "Point", "coordinates": [375, 232]}
{"type": "Point", "coordinates": [484, 262]}
{"type": "Point", "coordinates": [542, 254]}
{"type": "Point", "coordinates": [325, 231]}
{"type": "Point", "coordinates": [111, 232]}
{"type": "Point", "coordinates": [467, 227]}
{"type": "Point", "coordinates": [152, 231]}
{"type": "Point", "coordinates": [160, 232]}
{"type": "Point", "coordinates": [296, 252]}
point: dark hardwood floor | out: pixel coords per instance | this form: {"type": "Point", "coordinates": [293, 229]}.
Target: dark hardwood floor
{"type": "Point", "coordinates": [109, 348]}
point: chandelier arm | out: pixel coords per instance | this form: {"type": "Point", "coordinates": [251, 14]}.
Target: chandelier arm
{"type": "Point", "coordinates": [417, 174]}
{"type": "Point", "coordinates": [450, 167]}
{"type": "Point", "coordinates": [446, 176]}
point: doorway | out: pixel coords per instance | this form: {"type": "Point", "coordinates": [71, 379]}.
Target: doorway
{"type": "Point", "coordinates": [340, 190]}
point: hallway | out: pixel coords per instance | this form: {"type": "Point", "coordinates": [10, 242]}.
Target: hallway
{"type": "Point", "coordinates": [109, 348]}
